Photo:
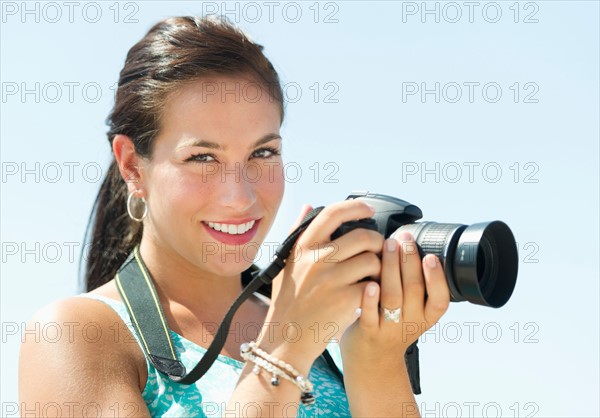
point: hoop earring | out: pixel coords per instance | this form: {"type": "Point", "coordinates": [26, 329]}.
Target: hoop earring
{"type": "Point", "coordinates": [129, 211]}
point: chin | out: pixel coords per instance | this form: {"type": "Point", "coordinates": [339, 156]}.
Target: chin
{"type": "Point", "coordinates": [231, 266]}
{"type": "Point", "coordinates": [230, 260]}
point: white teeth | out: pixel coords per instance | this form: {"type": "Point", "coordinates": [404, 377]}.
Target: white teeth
{"type": "Point", "coordinates": [230, 228]}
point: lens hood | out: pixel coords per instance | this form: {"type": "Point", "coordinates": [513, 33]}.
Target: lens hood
{"type": "Point", "coordinates": [486, 263]}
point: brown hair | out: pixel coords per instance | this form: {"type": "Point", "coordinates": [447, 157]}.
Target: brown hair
{"type": "Point", "coordinates": [175, 51]}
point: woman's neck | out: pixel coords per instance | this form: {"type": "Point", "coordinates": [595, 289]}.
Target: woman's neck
{"type": "Point", "coordinates": [179, 281]}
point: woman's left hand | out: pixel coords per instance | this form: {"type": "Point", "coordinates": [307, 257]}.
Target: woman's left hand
{"type": "Point", "coordinates": [420, 292]}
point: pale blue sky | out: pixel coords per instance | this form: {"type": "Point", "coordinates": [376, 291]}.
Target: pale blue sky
{"type": "Point", "coordinates": [529, 132]}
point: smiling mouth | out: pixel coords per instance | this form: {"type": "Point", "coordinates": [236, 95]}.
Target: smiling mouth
{"type": "Point", "coordinates": [231, 229]}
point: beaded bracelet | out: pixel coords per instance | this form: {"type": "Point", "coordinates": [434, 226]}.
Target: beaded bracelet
{"type": "Point", "coordinates": [277, 368]}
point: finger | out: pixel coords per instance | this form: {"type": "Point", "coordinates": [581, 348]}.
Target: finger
{"type": "Point", "coordinates": [391, 281]}
{"type": "Point", "coordinates": [413, 285]}
{"type": "Point", "coordinates": [350, 305]}
{"type": "Point", "coordinates": [330, 218]}
{"type": "Point", "coordinates": [355, 242]}
{"type": "Point", "coordinates": [369, 317]}
{"type": "Point", "coordinates": [438, 294]}
{"type": "Point", "coordinates": [303, 212]}
{"type": "Point", "coordinates": [353, 269]}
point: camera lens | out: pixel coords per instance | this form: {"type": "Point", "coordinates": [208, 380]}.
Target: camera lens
{"type": "Point", "coordinates": [480, 261]}
{"type": "Point", "coordinates": [488, 278]}
{"type": "Point", "coordinates": [487, 273]}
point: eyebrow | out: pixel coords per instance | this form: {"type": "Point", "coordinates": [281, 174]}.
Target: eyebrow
{"type": "Point", "coordinates": [214, 145]}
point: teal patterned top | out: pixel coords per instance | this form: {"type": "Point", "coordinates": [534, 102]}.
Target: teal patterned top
{"type": "Point", "coordinates": [208, 396]}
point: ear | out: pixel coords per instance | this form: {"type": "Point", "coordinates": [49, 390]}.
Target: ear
{"type": "Point", "coordinates": [129, 163]}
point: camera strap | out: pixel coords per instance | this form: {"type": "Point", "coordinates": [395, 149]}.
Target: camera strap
{"type": "Point", "coordinates": [137, 290]}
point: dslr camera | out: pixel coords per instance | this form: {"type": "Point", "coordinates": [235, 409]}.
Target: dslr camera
{"type": "Point", "coordinates": [480, 261]}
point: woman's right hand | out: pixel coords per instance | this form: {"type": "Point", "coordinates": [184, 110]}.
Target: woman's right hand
{"type": "Point", "coordinates": [316, 295]}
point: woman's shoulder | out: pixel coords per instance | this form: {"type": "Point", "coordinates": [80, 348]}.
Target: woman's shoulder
{"type": "Point", "coordinates": [75, 309]}
{"type": "Point", "coordinates": [79, 332]}
{"type": "Point", "coordinates": [80, 311]}
{"type": "Point", "coordinates": [73, 354]}
{"type": "Point", "coordinates": [82, 323]}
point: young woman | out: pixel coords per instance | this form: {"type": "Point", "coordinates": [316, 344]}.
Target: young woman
{"type": "Point", "coordinates": [195, 185]}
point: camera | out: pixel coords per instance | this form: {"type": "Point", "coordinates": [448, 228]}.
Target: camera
{"type": "Point", "coordinates": [480, 261]}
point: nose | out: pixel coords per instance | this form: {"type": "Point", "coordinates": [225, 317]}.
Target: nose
{"type": "Point", "coordinates": [237, 192]}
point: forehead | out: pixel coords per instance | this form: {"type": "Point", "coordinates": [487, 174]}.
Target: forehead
{"type": "Point", "coordinates": [220, 109]}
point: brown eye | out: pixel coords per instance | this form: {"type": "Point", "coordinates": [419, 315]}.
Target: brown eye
{"type": "Point", "coordinates": [265, 153]}
{"type": "Point", "coordinates": [202, 158]}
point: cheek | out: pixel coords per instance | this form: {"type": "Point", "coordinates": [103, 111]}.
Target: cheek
{"type": "Point", "coordinates": [178, 194]}
{"type": "Point", "coordinates": [272, 183]}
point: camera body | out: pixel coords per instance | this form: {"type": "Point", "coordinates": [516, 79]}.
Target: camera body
{"type": "Point", "coordinates": [480, 261]}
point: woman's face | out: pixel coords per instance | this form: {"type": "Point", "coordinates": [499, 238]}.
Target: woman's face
{"type": "Point", "coordinates": [215, 180]}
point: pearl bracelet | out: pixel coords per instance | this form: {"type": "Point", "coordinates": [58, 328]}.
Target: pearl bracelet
{"type": "Point", "coordinates": [277, 368]}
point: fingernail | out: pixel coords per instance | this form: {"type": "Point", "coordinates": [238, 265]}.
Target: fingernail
{"type": "Point", "coordinates": [405, 236]}
{"type": "Point", "coordinates": [390, 244]}
{"type": "Point", "coordinates": [371, 208]}
{"type": "Point", "coordinates": [371, 289]}
{"type": "Point", "coordinates": [430, 260]}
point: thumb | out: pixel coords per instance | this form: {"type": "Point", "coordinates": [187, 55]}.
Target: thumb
{"type": "Point", "coordinates": [276, 284]}
{"type": "Point", "coordinates": [303, 212]}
